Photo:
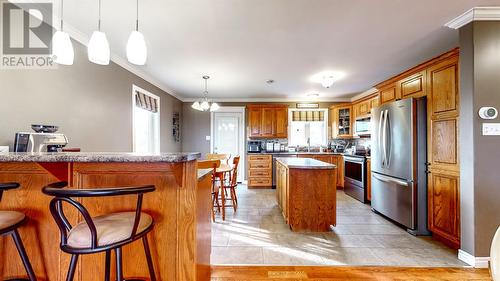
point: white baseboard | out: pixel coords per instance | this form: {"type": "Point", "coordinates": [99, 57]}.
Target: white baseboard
{"type": "Point", "coordinates": [476, 262]}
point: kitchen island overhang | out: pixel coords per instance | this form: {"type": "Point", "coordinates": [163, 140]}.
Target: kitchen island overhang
{"type": "Point", "coordinates": [179, 244]}
{"type": "Point", "coordinates": [306, 193]}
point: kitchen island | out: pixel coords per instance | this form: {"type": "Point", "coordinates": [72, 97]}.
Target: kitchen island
{"type": "Point", "coordinates": [306, 193]}
{"type": "Point", "coordinates": [180, 241]}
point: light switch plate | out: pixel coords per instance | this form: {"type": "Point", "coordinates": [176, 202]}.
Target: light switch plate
{"type": "Point", "coordinates": [207, 138]}
{"type": "Point", "coordinates": [491, 129]}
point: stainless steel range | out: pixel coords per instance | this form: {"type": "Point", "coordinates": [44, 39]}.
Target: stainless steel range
{"type": "Point", "coordinates": [355, 177]}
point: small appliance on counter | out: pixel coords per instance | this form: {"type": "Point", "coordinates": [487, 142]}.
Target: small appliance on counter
{"type": "Point", "coordinates": [45, 139]}
{"type": "Point", "coordinates": [277, 147]}
{"type": "Point", "coordinates": [254, 147]}
{"type": "Point", "coordinates": [4, 149]}
{"type": "Point", "coordinates": [269, 146]}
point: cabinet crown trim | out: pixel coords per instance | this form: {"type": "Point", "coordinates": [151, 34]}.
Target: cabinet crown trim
{"type": "Point", "coordinates": [475, 14]}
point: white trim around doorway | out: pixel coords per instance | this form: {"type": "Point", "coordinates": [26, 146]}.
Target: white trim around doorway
{"type": "Point", "coordinates": [232, 109]}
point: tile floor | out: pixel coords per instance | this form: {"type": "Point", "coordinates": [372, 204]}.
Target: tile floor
{"type": "Point", "coordinates": [256, 234]}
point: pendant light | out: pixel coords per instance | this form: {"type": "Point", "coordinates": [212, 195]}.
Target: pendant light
{"type": "Point", "coordinates": [62, 48]}
{"type": "Point", "coordinates": [137, 52]}
{"type": "Point", "coordinates": [98, 49]}
{"type": "Point", "coordinates": [204, 104]}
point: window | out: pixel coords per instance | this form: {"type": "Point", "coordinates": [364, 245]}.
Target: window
{"type": "Point", "coordinates": [146, 121]}
{"type": "Point", "coordinates": [310, 124]}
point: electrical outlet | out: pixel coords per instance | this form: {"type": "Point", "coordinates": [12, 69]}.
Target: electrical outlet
{"type": "Point", "coordinates": [491, 129]}
{"type": "Point", "coordinates": [207, 138]}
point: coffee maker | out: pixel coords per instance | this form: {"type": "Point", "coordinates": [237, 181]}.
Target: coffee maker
{"type": "Point", "coordinates": [39, 142]}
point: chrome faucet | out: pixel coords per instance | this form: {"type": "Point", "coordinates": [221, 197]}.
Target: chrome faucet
{"type": "Point", "coordinates": [308, 144]}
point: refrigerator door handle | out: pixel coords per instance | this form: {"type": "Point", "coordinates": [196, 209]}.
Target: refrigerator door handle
{"type": "Point", "coordinates": [387, 123]}
{"type": "Point", "coordinates": [389, 179]}
{"type": "Point", "coordinates": [384, 138]}
{"type": "Point", "coordinates": [380, 145]}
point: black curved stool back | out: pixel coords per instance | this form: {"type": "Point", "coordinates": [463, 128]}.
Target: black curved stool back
{"type": "Point", "coordinates": [94, 238]}
{"type": "Point", "coordinates": [11, 229]}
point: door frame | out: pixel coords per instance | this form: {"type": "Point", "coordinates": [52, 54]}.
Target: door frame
{"type": "Point", "coordinates": [242, 152]}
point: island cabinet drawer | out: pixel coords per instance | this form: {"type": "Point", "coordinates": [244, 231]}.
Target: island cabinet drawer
{"type": "Point", "coordinates": [260, 165]}
{"type": "Point", "coordinates": [260, 181]}
{"type": "Point", "coordinates": [259, 173]}
{"type": "Point", "coordinates": [265, 158]}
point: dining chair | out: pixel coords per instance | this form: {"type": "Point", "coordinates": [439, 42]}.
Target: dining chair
{"type": "Point", "coordinates": [212, 164]}
{"type": "Point", "coordinates": [233, 183]}
{"type": "Point", "coordinates": [217, 156]}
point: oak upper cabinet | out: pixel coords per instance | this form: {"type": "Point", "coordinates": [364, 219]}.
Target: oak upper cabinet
{"type": "Point", "coordinates": [267, 121]}
{"type": "Point", "coordinates": [342, 121]}
{"type": "Point", "coordinates": [443, 179]}
{"type": "Point", "coordinates": [281, 122]}
{"type": "Point", "coordinates": [388, 94]}
{"type": "Point", "coordinates": [374, 102]}
{"type": "Point", "coordinates": [412, 86]}
{"type": "Point", "coordinates": [254, 121]}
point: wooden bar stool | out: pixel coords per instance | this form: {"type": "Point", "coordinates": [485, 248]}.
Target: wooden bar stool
{"type": "Point", "coordinates": [10, 221]}
{"type": "Point", "coordinates": [103, 233]}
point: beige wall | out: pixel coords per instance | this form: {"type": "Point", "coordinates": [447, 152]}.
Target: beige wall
{"type": "Point", "coordinates": [92, 104]}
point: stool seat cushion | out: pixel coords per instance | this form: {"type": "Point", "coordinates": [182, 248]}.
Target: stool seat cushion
{"type": "Point", "coordinates": [111, 228]}
{"type": "Point", "coordinates": [10, 218]}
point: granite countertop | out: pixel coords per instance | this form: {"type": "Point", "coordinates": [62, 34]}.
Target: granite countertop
{"type": "Point", "coordinates": [99, 157]}
{"type": "Point", "coordinates": [305, 163]}
{"type": "Point", "coordinates": [202, 173]}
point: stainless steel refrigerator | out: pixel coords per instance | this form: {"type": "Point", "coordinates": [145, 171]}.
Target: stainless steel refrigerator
{"type": "Point", "coordinates": [399, 163]}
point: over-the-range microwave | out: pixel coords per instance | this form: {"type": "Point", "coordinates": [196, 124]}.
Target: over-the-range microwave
{"type": "Point", "coordinates": [363, 126]}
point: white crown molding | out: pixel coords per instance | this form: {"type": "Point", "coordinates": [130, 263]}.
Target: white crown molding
{"type": "Point", "coordinates": [272, 100]}
{"type": "Point", "coordinates": [364, 94]}
{"type": "Point", "coordinates": [476, 262]}
{"type": "Point", "coordinates": [475, 14]}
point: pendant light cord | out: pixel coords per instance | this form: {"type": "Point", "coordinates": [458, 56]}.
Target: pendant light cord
{"type": "Point", "coordinates": [137, 16]}
{"type": "Point", "coordinates": [99, 22]}
{"type": "Point", "coordinates": [62, 13]}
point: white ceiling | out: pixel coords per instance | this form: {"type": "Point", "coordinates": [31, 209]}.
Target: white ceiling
{"type": "Point", "coordinates": [243, 43]}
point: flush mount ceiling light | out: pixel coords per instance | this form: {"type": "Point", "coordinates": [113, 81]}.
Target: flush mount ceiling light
{"type": "Point", "coordinates": [98, 49]}
{"type": "Point", "coordinates": [204, 103]}
{"type": "Point", "coordinates": [62, 48]}
{"type": "Point", "coordinates": [137, 51]}
{"type": "Point", "coordinates": [312, 95]}
{"type": "Point", "coordinates": [327, 78]}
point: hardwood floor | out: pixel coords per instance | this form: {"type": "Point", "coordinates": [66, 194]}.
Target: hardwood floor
{"type": "Point", "coordinates": [281, 273]}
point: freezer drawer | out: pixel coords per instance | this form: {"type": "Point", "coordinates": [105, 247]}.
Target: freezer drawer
{"type": "Point", "coordinates": [394, 198]}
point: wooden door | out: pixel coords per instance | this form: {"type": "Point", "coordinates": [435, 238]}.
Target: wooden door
{"type": "Point", "coordinates": [268, 119]}
{"type": "Point", "coordinates": [443, 157]}
{"type": "Point", "coordinates": [281, 122]}
{"type": "Point", "coordinates": [254, 121]}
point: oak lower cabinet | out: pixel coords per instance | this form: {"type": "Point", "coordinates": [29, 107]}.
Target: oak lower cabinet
{"type": "Point", "coordinates": [338, 160]}
{"type": "Point", "coordinates": [282, 189]}
{"type": "Point", "coordinates": [260, 171]}
{"type": "Point", "coordinates": [267, 121]}
{"type": "Point", "coordinates": [444, 206]}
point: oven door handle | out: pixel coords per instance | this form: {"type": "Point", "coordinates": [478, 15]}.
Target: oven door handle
{"type": "Point", "coordinates": [389, 179]}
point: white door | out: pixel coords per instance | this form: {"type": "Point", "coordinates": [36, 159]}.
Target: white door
{"type": "Point", "coordinates": [228, 135]}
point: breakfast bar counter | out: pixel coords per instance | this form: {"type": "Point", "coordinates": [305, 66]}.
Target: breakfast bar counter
{"type": "Point", "coordinates": [179, 242]}
{"type": "Point", "coordinates": [306, 193]}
